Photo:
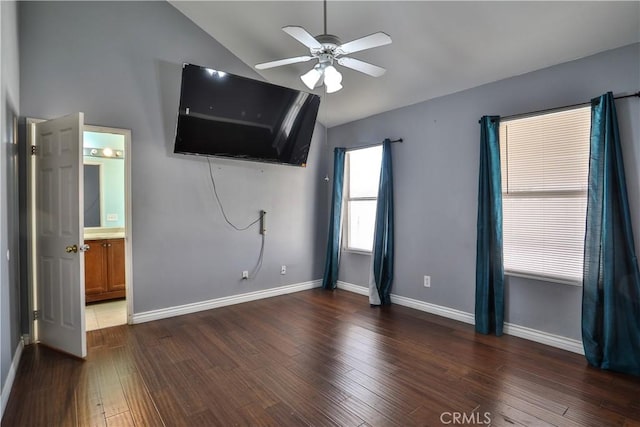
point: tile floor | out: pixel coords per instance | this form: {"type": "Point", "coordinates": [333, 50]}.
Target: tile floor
{"type": "Point", "coordinates": [106, 314]}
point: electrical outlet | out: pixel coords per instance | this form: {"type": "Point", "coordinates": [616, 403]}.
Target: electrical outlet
{"type": "Point", "coordinates": [283, 269]}
{"type": "Point", "coordinates": [245, 274]}
{"type": "Point", "coordinates": [427, 281]}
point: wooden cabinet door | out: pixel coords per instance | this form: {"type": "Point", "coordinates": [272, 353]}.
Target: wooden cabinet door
{"type": "Point", "coordinates": [115, 262]}
{"type": "Point", "coordinates": [95, 267]}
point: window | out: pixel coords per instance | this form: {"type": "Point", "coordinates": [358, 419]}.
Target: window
{"type": "Point", "coordinates": [362, 169]}
{"type": "Point", "coordinates": [545, 167]}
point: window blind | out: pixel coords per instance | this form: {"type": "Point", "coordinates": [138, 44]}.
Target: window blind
{"type": "Point", "coordinates": [545, 166]}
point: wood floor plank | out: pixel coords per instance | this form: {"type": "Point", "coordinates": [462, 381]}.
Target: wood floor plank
{"type": "Point", "coordinates": [487, 398]}
{"type": "Point", "coordinates": [498, 385]}
{"type": "Point", "coordinates": [313, 407]}
{"type": "Point", "coordinates": [285, 415]}
{"type": "Point", "coordinates": [593, 416]}
{"type": "Point", "coordinates": [503, 414]}
{"type": "Point", "coordinates": [313, 358]}
{"type": "Point", "coordinates": [89, 400]}
{"type": "Point", "coordinates": [123, 419]}
{"type": "Point", "coordinates": [141, 406]}
{"type": "Point", "coordinates": [111, 393]}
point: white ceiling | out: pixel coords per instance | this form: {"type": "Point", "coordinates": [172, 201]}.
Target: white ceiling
{"type": "Point", "coordinates": [438, 47]}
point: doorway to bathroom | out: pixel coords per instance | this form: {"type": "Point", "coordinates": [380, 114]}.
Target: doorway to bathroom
{"type": "Point", "coordinates": [104, 160]}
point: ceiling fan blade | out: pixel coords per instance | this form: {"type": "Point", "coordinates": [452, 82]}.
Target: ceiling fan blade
{"type": "Point", "coordinates": [366, 42]}
{"type": "Point", "coordinates": [287, 61]}
{"type": "Point", "coordinates": [302, 36]}
{"type": "Point", "coordinates": [363, 67]}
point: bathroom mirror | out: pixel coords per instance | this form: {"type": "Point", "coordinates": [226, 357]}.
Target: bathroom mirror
{"type": "Point", "coordinates": [104, 187]}
{"type": "Point", "coordinates": [92, 205]}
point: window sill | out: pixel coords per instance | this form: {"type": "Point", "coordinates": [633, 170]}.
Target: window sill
{"type": "Point", "coordinates": [356, 251]}
{"type": "Point", "coordinates": [548, 279]}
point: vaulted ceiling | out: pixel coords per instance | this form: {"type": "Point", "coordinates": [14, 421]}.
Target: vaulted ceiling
{"type": "Point", "coordinates": [438, 47]}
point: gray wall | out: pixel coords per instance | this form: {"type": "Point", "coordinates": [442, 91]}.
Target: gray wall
{"type": "Point", "coordinates": [9, 230]}
{"type": "Point", "coordinates": [120, 63]}
{"type": "Point", "coordinates": [436, 179]}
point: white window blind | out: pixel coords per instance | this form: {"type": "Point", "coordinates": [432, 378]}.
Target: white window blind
{"type": "Point", "coordinates": [363, 174]}
{"type": "Point", "coordinates": [545, 167]}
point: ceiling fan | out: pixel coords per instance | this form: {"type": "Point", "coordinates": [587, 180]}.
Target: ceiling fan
{"type": "Point", "coordinates": [328, 50]}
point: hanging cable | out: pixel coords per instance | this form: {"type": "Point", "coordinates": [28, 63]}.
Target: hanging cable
{"type": "Point", "coordinates": [258, 266]}
{"type": "Point", "coordinates": [224, 214]}
{"type": "Point", "coordinates": [256, 269]}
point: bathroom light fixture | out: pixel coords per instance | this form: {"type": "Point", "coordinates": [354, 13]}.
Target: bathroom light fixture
{"type": "Point", "coordinates": [105, 152]}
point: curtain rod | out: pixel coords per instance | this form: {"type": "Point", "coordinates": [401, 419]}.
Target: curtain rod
{"type": "Point", "coordinates": [400, 140]}
{"type": "Point", "coordinates": [566, 107]}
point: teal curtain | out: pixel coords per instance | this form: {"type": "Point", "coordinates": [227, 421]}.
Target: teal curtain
{"type": "Point", "coordinates": [383, 239]}
{"type": "Point", "coordinates": [489, 267]}
{"type": "Point", "coordinates": [611, 282]}
{"type": "Point", "coordinates": [330, 279]}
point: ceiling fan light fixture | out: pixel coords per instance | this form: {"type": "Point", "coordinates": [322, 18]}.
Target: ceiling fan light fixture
{"type": "Point", "coordinates": [311, 78]}
{"type": "Point", "coordinates": [331, 88]}
{"type": "Point", "coordinates": [332, 79]}
{"type": "Point", "coordinates": [327, 49]}
{"type": "Point", "coordinates": [332, 76]}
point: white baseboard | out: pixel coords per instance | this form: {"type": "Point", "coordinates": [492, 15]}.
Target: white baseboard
{"type": "Point", "coordinates": [438, 310]}
{"type": "Point", "coordinates": [8, 383]}
{"type": "Point", "coordinates": [564, 343]}
{"type": "Point", "coordinates": [362, 290]}
{"type": "Point", "coordinates": [26, 339]}
{"type": "Point", "coordinates": [541, 337]}
{"type": "Point", "coordinates": [179, 310]}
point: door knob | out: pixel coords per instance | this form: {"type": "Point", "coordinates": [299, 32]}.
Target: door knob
{"type": "Point", "coordinates": [84, 248]}
{"type": "Point", "coordinates": [70, 249]}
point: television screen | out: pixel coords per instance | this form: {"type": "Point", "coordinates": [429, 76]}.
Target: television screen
{"type": "Point", "coordinates": [222, 114]}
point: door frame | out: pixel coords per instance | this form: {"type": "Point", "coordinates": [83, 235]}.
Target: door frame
{"type": "Point", "coordinates": [32, 334]}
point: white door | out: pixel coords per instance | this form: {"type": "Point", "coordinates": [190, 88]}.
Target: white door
{"type": "Point", "coordinates": [60, 234]}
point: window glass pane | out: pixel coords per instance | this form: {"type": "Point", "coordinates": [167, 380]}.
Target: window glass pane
{"type": "Point", "coordinates": [547, 153]}
{"type": "Point", "coordinates": [545, 165]}
{"type": "Point", "coordinates": [362, 218]}
{"type": "Point", "coordinates": [364, 172]}
{"type": "Point", "coordinates": [545, 236]}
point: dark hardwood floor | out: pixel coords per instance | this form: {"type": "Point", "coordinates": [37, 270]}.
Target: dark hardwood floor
{"type": "Point", "coordinates": [314, 358]}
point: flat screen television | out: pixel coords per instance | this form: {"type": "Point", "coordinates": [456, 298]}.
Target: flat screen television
{"type": "Point", "coordinates": [222, 114]}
